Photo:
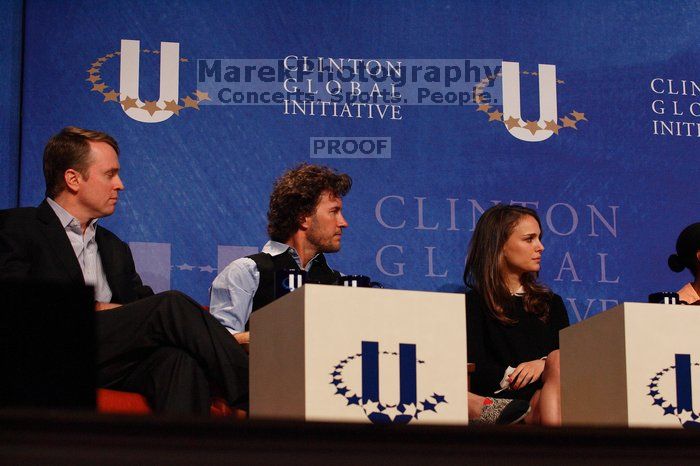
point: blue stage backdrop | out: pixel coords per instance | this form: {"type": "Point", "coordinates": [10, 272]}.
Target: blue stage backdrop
{"type": "Point", "coordinates": [10, 67]}
{"type": "Point", "coordinates": [586, 111]}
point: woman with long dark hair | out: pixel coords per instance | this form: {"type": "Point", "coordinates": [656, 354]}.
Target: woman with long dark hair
{"type": "Point", "coordinates": [513, 321]}
{"type": "Point", "coordinates": [687, 256]}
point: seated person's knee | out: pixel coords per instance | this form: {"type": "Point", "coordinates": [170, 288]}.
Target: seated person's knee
{"type": "Point", "coordinates": [551, 364]}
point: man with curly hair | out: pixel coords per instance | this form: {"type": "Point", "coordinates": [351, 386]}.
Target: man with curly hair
{"type": "Point", "coordinates": [305, 220]}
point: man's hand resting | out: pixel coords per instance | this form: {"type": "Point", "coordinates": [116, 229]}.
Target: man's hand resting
{"type": "Point", "coordinates": [105, 306]}
{"type": "Point", "coordinates": [242, 338]}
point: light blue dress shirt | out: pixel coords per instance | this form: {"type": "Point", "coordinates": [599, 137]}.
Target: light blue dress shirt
{"type": "Point", "coordinates": [85, 249]}
{"type": "Point", "coordinates": [231, 294]}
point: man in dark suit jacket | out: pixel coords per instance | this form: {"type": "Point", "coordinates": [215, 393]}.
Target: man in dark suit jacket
{"type": "Point", "coordinates": [26, 229]}
{"type": "Point", "coordinates": [163, 346]}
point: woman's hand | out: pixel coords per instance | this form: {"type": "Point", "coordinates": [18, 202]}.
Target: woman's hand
{"type": "Point", "coordinates": [526, 373]}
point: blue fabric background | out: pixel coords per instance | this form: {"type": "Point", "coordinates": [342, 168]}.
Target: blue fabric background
{"type": "Point", "coordinates": [202, 180]}
{"type": "Point", "coordinates": [10, 67]}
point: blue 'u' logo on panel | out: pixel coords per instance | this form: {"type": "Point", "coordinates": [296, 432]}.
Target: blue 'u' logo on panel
{"type": "Point", "coordinates": [660, 392]}
{"type": "Point", "coordinates": [369, 399]}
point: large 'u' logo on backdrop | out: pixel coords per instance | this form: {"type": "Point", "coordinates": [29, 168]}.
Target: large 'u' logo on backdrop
{"type": "Point", "coordinates": [527, 130]}
{"type": "Point", "coordinates": [548, 100]}
{"type": "Point", "coordinates": [382, 412]}
{"type": "Point", "coordinates": [128, 98]}
{"type": "Point", "coordinates": [169, 79]}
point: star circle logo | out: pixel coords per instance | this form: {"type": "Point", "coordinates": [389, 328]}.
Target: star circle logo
{"type": "Point", "coordinates": [526, 130]}
{"type": "Point", "coordinates": [127, 97]}
{"type": "Point", "coordinates": [675, 380]}
{"type": "Point", "coordinates": [408, 408]}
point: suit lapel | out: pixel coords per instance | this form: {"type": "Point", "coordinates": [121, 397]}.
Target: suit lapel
{"type": "Point", "coordinates": [59, 242]}
{"type": "Point", "coordinates": [107, 257]}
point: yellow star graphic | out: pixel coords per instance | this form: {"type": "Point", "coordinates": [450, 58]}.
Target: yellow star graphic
{"type": "Point", "coordinates": [552, 126]}
{"type": "Point", "coordinates": [157, 52]}
{"type": "Point", "coordinates": [535, 73]}
{"type": "Point", "coordinates": [568, 123]}
{"type": "Point", "coordinates": [184, 60]}
{"type": "Point", "coordinates": [128, 103]}
{"type": "Point", "coordinates": [495, 116]}
{"type": "Point", "coordinates": [512, 122]}
{"type": "Point", "coordinates": [201, 96]}
{"type": "Point", "coordinates": [93, 78]}
{"type": "Point", "coordinates": [102, 59]}
{"type": "Point", "coordinates": [117, 53]}
{"type": "Point", "coordinates": [111, 96]}
{"type": "Point", "coordinates": [96, 64]}
{"type": "Point", "coordinates": [532, 126]}
{"type": "Point", "coordinates": [559, 81]}
{"type": "Point", "coordinates": [579, 116]}
{"type": "Point", "coordinates": [526, 72]}
{"type": "Point", "coordinates": [93, 70]}
{"type": "Point", "coordinates": [146, 51]}
{"type": "Point", "coordinates": [109, 55]}
{"type": "Point", "coordinates": [98, 87]}
{"type": "Point", "coordinates": [173, 107]}
{"type": "Point", "coordinates": [151, 107]}
{"type": "Point", "coordinates": [483, 108]}
{"type": "Point", "coordinates": [190, 102]}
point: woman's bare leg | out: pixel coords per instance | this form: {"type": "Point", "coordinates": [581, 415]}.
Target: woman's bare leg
{"type": "Point", "coordinates": [475, 404]}
{"type": "Point", "coordinates": [549, 403]}
{"type": "Point", "coordinates": [534, 416]}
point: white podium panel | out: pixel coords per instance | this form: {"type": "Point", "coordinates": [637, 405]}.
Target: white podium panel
{"type": "Point", "coordinates": [331, 353]}
{"type": "Point", "coordinates": [633, 365]}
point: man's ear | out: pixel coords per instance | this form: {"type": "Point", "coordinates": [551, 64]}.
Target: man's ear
{"type": "Point", "coordinates": [304, 223]}
{"type": "Point", "coordinates": [72, 178]}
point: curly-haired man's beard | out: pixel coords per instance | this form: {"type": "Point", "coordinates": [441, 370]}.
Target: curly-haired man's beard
{"type": "Point", "coordinates": [324, 241]}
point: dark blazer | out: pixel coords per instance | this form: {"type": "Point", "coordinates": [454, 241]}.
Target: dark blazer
{"type": "Point", "coordinates": [34, 247]}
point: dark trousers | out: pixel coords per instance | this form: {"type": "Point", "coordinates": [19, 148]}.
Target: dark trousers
{"type": "Point", "coordinates": [170, 350]}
